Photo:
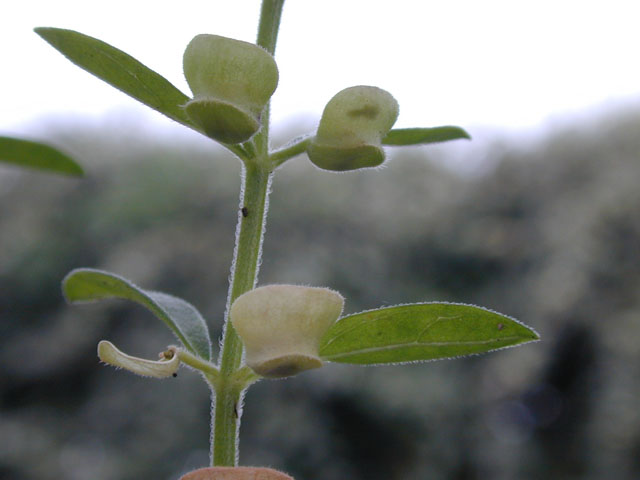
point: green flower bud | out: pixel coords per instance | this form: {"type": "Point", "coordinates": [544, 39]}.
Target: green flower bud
{"type": "Point", "coordinates": [281, 326]}
{"type": "Point", "coordinates": [351, 129]}
{"type": "Point", "coordinates": [231, 81]}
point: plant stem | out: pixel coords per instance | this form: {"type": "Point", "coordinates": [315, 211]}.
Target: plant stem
{"type": "Point", "coordinates": [243, 278]}
{"type": "Point", "coordinates": [269, 24]}
{"type": "Point", "coordinates": [244, 271]}
{"type": "Point", "coordinates": [270, 15]}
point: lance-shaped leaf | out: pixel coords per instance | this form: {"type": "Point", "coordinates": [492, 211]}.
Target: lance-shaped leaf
{"type": "Point", "coordinates": [109, 354]}
{"type": "Point", "coordinates": [119, 70]}
{"type": "Point", "coordinates": [85, 285]}
{"type": "Point", "coordinates": [26, 153]}
{"type": "Point", "coordinates": [418, 332]}
{"type": "Point", "coordinates": [422, 136]}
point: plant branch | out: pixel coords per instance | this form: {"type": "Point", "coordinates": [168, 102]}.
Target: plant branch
{"type": "Point", "coordinates": [198, 363]}
{"type": "Point", "coordinates": [297, 147]}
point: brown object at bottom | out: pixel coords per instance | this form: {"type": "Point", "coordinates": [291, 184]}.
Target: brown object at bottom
{"type": "Point", "coordinates": [236, 473]}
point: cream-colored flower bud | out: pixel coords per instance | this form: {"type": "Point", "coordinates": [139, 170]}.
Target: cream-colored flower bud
{"type": "Point", "coordinates": [231, 81]}
{"type": "Point", "coordinates": [281, 326]}
{"type": "Point", "coordinates": [166, 367]}
{"type": "Point", "coordinates": [351, 129]}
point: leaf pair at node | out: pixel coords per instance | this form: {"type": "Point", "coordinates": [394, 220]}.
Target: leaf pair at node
{"type": "Point", "coordinates": [287, 329]}
{"type": "Point", "coordinates": [232, 82]}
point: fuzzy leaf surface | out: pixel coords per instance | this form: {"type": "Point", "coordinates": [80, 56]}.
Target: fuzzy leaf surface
{"type": "Point", "coordinates": [419, 332]}
{"type": "Point", "coordinates": [120, 70]}
{"type": "Point", "coordinates": [422, 136]}
{"type": "Point", "coordinates": [26, 153]}
{"type": "Point", "coordinates": [85, 285]}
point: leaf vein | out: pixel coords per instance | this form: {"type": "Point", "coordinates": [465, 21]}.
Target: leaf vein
{"type": "Point", "coordinates": [421, 344]}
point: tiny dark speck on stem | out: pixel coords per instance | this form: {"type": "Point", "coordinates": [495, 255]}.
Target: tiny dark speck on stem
{"type": "Point", "coordinates": [245, 212]}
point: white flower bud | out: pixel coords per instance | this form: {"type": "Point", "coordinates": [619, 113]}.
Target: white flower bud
{"type": "Point", "coordinates": [281, 326]}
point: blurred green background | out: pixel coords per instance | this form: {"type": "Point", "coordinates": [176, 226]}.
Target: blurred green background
{"type": "Point", "coordinates": [548, 231]}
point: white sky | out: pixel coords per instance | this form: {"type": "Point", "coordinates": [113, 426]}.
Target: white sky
{"type": "Point", "coordinates": [502, 63]}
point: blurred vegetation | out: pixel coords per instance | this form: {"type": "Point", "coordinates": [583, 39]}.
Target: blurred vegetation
{"type": "Point", "coordinates": [549, 235]}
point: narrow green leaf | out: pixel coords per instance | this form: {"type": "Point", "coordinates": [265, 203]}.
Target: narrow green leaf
{"type": "Point", "coordinates": [119, 70]}
{"type": "Point", "coordinates": [418, 332]}
{"type": "Point", "coordinates": [85, 285]}
{"type": "Point", "coordinates": [36, 155]}
{"type": "Point", "coordinates": [421, 136]}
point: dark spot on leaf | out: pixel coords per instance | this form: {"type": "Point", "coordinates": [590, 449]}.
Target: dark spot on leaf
{"type": "Point", "coordinates": [500, 326]}
{"type": "Point", "coordinates": [245, 212]}
{"type": "Point", "coordinates": [367, 111]}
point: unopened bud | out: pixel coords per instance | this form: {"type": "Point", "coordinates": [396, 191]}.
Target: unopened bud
{"type": "Point", "coordinates": [231, 81]}
{"type": "Point", "coordinates": [351, 129]}
{"type": "Point", "coordinates": [281, 326]}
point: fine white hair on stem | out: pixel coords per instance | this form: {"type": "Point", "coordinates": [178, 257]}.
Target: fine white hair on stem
{"type": "Point", "coordinates": [212, 427]}
{"type": "Point", "coordinates": [232, 273]}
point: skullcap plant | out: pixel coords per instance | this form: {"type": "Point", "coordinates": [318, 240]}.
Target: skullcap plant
{"type": "Point", "coordinates": [272, 331]}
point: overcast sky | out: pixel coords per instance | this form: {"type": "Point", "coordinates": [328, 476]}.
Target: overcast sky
{"type": "Point", "coordinates": [503, 63]}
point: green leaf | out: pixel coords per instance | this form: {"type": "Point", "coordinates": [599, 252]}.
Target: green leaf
{"type": "Point", "coordinates": [421, 136]}
{"type": "Point", "coordinates": [37, 155]}
{"type": "Point", "coordinates": [85, 285]}
{"type": "Point", "coordinates": [418, 332]}
{"type": "Point", "coordinates": [119, 70]}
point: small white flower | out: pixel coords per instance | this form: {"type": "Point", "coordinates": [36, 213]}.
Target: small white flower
{"type": "Point", "coordinates": [281, 326]}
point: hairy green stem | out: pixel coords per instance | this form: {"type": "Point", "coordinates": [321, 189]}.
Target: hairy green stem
{"type": "Point", "coordinates": [297, 147]}
{"type": "Point", "coordinates": [269, 24]}
{"type": "Point", "coordinates": [198, 363]}
{"type": "Point", "coordinates": [243, 278]}
{"type": "Point", "coordinates": [228, 390]}
{"type": "Point", "coordinates": [268, 28]}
